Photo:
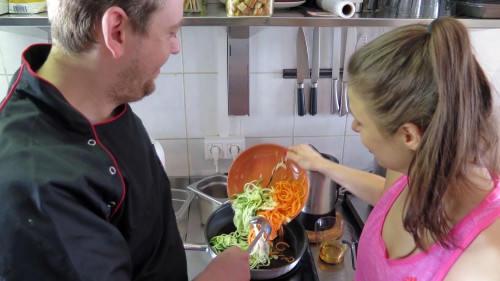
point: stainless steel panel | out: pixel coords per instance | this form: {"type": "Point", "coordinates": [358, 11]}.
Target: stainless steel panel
{"type": "Point", "coordinates": [237, 70]}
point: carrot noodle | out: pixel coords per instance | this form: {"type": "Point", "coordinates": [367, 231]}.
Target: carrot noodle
{"type": "Point", "coordinates": [288, 195]}
{"type": "Point", "coordinates": [281, 246]}
{"type": "Point", "coordinates": [279, 204]}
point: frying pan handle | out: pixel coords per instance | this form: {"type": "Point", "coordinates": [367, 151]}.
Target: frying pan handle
{"type": "Point", "coordinates": [195, 247]}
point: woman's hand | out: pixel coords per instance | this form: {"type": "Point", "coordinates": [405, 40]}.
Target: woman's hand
{"type": "Point", "coordinates": [304, 155]}
{"type": "Point", "coordinates": [367, 186]}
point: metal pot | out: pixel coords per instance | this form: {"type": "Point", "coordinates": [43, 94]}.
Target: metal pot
{"type": "Point", "coordinates": [323, 195]}
{"type": "Point", "coordinates": [212, 192]}
{"type": "Point", "coordinates": [221, 222]}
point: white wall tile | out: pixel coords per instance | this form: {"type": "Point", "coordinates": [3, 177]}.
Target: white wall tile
{"type": "Point", "coordinates": [163, 112]}
{"type": "Point", "coordinates": [174, 63]}
{"type": "Point", "coordinates": [4, 85]}
{"type": "Point", "coordinates": [486, 42]}
{"type": "Point", "coordinates": [279, 141]}
{"type": "Point", "coordinates": [271, 106]}
{"type": "Point", "coordinates": [348, 126]}
{"type": "Point", "coordinates": [176, 162]}
{"type": "Point", "coordinates": [356, 155]}
{"type": "Point", "coordinates": [323, 123]}
{"type": "Point", "coordinates": [495, 81]}
{"type": "Point", "coordinates": [201, 105]}
{"type": "Point", "coordinates": [267, 54]}
{"type": "Point", "coordinates": [199, 49]}
{"type": "Point", "coordinates": [333, 146]}
{"type": "Point", "coordinates": [494, 77]}
{"type": "Point", "coordinates": [14, 40]}
{"type": "Point", "coordinates": [3, 69]}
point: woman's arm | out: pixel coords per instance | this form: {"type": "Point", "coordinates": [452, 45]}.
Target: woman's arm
{"type": "Point", "coordinates": [367, 186]}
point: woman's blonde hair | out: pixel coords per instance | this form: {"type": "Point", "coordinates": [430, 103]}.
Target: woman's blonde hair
{"type": "Point", "coordinates": [429, 76]}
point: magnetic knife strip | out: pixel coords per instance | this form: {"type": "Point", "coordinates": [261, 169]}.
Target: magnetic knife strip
{"type": "Point", "coordinates": [291, 73]}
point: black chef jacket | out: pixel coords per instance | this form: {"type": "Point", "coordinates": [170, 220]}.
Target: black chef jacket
{"type": "Point", "coordinates": [80, 201]}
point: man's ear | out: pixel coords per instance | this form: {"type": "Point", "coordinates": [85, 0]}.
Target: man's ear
{"type": "Point", "coordinates": [113, 27]}
{"type": "Point", "coordinates": [411, 135]}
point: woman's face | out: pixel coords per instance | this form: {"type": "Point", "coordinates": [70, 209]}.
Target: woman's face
{"type": "Point", "coordinates": [390, 151]}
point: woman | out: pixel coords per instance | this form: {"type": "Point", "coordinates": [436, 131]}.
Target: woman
{"type": "Point", "coordinates": [423, 106]}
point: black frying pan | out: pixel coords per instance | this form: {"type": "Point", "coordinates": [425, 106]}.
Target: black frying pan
{"type": "Point", "coordinates": [221, 222]}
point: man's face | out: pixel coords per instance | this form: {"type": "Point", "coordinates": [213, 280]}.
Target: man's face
{"type": "Point", "coordinates": [149, 52]}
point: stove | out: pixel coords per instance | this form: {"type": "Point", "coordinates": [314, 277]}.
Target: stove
{"type": "Point", "coordinates": [305, 270]}
{"type": "Point", "coordinates": [358, 208]}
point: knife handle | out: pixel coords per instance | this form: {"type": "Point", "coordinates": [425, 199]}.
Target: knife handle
{"type": "Point", "coordinates": [344, 103]}
{"type": "Point", "coordinates": [334, 106]}
{"type": "Point", "coordinates": [301, 100]}
{"type": "Point", "coordinates": [313, 99]}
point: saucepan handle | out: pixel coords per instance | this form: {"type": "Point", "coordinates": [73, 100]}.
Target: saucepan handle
{"type": "Point", "coordinates": [354, 251]}
{"type": "Point", "coordinates": [196, 247]}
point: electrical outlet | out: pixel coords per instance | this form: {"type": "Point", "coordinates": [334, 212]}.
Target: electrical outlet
{"type": "Point", "coordinates": [211, 145]}
{"type": "Point", "coordinates": [229, 147]}
{"type": "Point", "coordinates": [233, 146]}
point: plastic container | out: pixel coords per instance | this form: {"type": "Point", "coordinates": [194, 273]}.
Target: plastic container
{"type": "Point", "coordinates": [249, 8]}
{"type": "Point", "coordinates": [180, 201]}
{"type": "Point", "coordinates": [4, 7]}
{"type": "Point", "coordinates": [27, 6]}
{"type": "Point", "coordinates": [195, 6]}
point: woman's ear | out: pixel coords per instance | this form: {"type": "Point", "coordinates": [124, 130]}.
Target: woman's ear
{"type": "Point", "coordinates": [411, 135]}
{"type": "Point", "coordinates": [113, 27]}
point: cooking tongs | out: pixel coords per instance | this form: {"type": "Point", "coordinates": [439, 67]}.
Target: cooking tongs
{"type": "Point", "coordinates": [265, 227]}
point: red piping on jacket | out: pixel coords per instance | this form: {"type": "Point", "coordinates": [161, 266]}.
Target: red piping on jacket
{"type": "Point", "coordinates": [13, 87]}
{"type": "Point", "coordinates": [92, 126]}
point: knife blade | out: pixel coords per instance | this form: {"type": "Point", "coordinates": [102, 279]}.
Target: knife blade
{"type": "Point", "coordinates": [363, 40]}
{"type": "Point", "coordinates": [302, 70]}
{"type": "Point", "coordinates": [313, 95]}
{"type": "Point", "coordinates": [335, 98]}
{"type": "Point", "coordinates": [349, 49]}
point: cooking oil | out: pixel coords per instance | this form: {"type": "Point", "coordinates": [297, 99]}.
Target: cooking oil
{"type": "Point", "coordinates": [332, 251]}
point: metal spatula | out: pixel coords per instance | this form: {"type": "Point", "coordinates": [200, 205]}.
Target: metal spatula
{"type": "Point", "coordinates": [265, 227]}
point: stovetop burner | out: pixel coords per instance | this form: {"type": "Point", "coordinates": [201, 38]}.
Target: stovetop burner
{"type": "Point", "coordinates": [305, 270]}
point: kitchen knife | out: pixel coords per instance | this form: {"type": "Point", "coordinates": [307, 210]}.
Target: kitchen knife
{"type": "Point", "coordinates": [363, 40]}
{"type": "Point", "coordinates": [350, 45]}
{"type": "Point", "coordinates": [313, 95]}
{"type": "Point", "coordinates": [335, 98]}
{"type": "Point", "coordinates": [302, 71]}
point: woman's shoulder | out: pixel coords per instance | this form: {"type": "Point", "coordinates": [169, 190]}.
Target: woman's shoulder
{"type": "Point", "coordinates": [481, 260]}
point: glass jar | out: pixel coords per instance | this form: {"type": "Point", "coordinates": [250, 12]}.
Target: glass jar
{"type": "Point", "coordinates": [195, 6]}
{"type": "Point", "coordinates": [250, 8]}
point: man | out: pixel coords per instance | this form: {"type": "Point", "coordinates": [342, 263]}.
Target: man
{"type": "Point", "coordinates": [82, 193]}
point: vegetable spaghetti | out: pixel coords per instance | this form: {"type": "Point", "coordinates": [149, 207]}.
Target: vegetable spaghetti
{"type": "Point", "coordinates": [279, 203]}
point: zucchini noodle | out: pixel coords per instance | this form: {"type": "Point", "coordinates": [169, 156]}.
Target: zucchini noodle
{"type": "Point", "coordinates": [279, 204]}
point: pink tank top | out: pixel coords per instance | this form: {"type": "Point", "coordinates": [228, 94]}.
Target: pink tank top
{"type": "Point", "coordinates": [373, 263]}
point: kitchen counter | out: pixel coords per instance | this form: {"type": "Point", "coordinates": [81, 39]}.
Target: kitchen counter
{"type": "Point", "coordinates": [192, 232]}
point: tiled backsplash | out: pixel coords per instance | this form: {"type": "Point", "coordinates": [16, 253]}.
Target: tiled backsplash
{"type": "Point", "coordinates": [190, 101]}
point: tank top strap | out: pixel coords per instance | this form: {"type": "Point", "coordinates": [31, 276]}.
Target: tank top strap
{"type": "Point", "coordinates": [464, 233]}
